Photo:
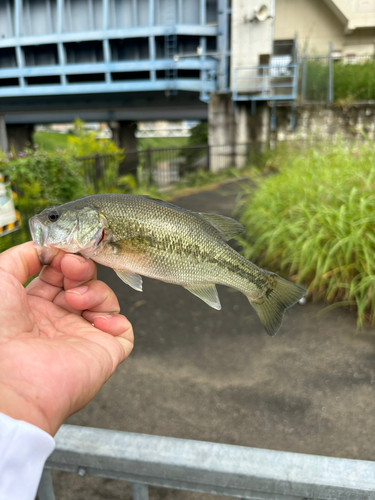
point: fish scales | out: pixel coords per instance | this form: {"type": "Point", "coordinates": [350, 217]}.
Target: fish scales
{"type": "Point", "coordinates": [180, 246]}
{"type": "Point", "coordinates": [138, 235]}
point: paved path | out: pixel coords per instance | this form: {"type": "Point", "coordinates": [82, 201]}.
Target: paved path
{"type": "Point", "coordinates": [215, 375]}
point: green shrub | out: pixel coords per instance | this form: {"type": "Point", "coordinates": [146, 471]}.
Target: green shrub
{"type": "Point", "coordinates": [41, 179]}
{"type": "Point", "coordinates": [44, 178]}
{"type": "Point", "coordinates": [314, 223]}
{"type": "Point", "coordinates": [83, 143]}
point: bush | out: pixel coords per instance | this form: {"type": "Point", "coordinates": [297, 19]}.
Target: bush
{"type": "Point", "coordinates": [314, 223]}
{"type": "Point", "coordinates": [84, 143]}
{"type": "Point", "coordinates": [44, 178]}
{"type": "Point", "coordinates": [41, 179]}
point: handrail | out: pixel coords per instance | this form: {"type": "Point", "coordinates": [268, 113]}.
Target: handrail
{"type": "Point", "coordinates": [265, 82]}
{"type": "Point", "coordinates": [221, 469]}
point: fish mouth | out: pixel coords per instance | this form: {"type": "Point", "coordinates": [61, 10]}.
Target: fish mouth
{"type": "Point", "coordinates": [39, 234]}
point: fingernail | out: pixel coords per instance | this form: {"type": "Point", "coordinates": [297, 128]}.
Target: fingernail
{"type": "Point", "coordinates": [106, 317]}
{"type": "Point", "coordinates": [80, 259]}
{"type": "Point", "coordinates": [80, 290]}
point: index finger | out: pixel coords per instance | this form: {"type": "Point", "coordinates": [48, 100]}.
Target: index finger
{"type": "Point", "coordinates": [64, 271]}
{"type": "Point", "coordinates": [21, 261]}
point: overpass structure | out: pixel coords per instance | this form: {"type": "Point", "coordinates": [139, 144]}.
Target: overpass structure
{"type": "Point", "coordinates": [229, 61]}
{"type": "Point", "coordinates": [110, 60]}
{"type": "Point", "coordinates": [123, 61]}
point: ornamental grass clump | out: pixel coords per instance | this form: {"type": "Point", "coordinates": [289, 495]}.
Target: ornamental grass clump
{"type": "Point", "coordinates": [314, 223]}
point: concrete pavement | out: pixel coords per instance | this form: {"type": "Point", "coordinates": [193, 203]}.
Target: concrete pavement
{"type": "Point", "coordinates": [211, 375]}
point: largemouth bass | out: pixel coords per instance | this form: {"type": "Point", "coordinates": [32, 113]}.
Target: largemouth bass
{"type": "Point", "coordinates": [137, 235]}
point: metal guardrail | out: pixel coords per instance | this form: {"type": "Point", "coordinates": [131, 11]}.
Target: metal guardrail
{"type": "Point", "coordinates": [265, 82]}
{"type": "Point", "coordinates": [236, 471]}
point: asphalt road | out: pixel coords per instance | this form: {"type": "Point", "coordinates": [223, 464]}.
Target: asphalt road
{"type": "Point", "coordinates": [197, 373]}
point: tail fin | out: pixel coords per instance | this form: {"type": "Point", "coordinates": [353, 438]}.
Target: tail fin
{"type": "Point", "coordinates": [281, 295]}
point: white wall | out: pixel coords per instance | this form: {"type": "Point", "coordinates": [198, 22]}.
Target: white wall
{"type": "Point", "coordinates": [317, 25]}
{"type": "Point", "coordinates": [249, 39]}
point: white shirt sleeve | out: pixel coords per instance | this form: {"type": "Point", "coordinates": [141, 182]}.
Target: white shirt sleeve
{"type": "Point", "coordinates": [24, 449]}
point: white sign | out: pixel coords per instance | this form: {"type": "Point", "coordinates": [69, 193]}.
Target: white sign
{"type": "Point", "coordinates": [7, 210]}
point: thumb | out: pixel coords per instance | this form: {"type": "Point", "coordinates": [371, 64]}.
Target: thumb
{"type": "Point", "coordinates": [21, 261]}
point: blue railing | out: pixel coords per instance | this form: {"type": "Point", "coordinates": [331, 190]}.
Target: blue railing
{"type": "Point", "coordinates": [82, 47]}
{"type": "Point", "coordinates": [235, 471]}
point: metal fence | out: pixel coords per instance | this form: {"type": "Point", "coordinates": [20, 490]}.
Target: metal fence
{"type": "Point", "coordinates": [101, 171]}
{"type": "Point", "coordinates": [235, 471]}
{"type": "Point", "coordinates": [335, 77]}
{"type": "Point", "coordinates": [311, 79]}
{"type": "Point", "coordinates": [162, 167]}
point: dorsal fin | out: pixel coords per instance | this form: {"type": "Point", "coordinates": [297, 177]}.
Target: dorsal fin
{"type": "Point", "coordinates": [227, 227]}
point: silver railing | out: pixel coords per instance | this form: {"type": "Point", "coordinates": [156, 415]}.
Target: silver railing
{"type": "Point", "coordinates": [221, 469]}
{"type": "Point", "coordinates": [265, 82]}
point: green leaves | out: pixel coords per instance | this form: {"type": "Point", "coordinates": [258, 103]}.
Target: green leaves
{"type": "Point", "coordinates": [41, 179]}
{"type": "Point", "coordinates": [316, 221]}
{"type": "Point", "coordinates": [44, 178]}
{"type": "Point", "coordinates": [352, 82]}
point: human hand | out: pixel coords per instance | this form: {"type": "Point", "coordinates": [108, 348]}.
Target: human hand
{"type": "Point", "coordinates": [61, 338]}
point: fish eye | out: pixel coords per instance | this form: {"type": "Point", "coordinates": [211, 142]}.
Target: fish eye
{"type": "Point", "coordinates": [53, 216]}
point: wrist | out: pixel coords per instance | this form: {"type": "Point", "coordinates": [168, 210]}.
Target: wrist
{"type": "Point", "coordinates": [18, 407]}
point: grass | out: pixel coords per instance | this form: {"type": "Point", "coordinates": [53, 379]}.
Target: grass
{"type": "Point", "coordinates": [351, 82]}
{"type": "Point", "coordinates": [354, 82]}
{"type": "Point", "coordinates": [162, 142]}
{"type": "Point", "coordinates": [50, 141]}
{"type": "Point", "coordinates": [313, 222]}
{"type": "Point", "coordinates": [316, 80]}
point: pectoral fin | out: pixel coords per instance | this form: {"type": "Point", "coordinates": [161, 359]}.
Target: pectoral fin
{"type": "Point", "coordinates": [207, 293]}
{"type": "Point", "coordinates": [133, 280]}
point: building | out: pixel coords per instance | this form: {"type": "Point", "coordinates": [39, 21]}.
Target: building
{"type": "Point", "coordinates": [348, 24]}
{"type": "Point", "coordinates": [124, 61]}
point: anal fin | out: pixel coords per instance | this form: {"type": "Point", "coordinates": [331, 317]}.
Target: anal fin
{"type": "Point", "coordinates": [131, 279]}
{"type": "Point", "coordinates": [207, 293]}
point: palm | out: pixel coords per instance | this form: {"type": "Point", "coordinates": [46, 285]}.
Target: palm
{"type": "Point", "coordinates": [61, 359]}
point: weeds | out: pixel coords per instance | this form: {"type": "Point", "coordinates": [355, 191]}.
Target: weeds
{"type": "Point", "coordinates": [314, 223]}
{"type": "Point", "coordinates": [351, 82]}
